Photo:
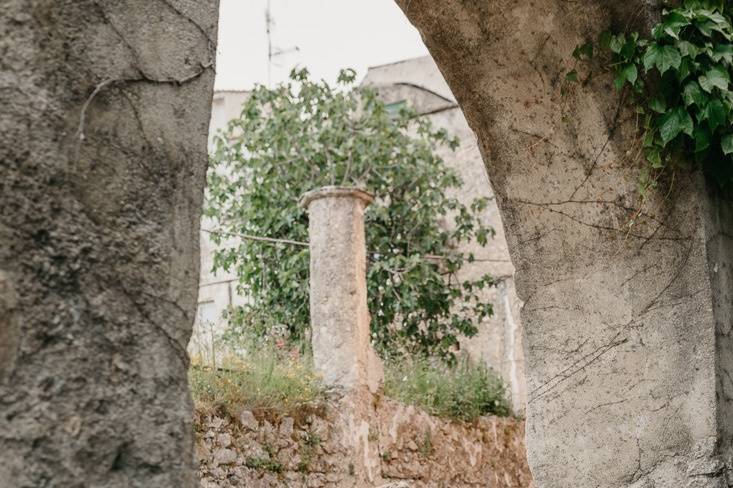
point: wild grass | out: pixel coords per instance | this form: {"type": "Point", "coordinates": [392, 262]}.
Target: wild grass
{"type": "Point", "coordinates": [463, 392]}
{"type": "Point", "coordinates": [266, 381]}
{"type": "Point", "coordinates": [274, 383]}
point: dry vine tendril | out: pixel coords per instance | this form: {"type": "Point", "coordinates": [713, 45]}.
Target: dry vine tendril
{"type": "Point", "coordinates": [681, 80]}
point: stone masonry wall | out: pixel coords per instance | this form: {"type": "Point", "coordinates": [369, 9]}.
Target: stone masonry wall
{"type": "Point", "coordinates": [415, 450]}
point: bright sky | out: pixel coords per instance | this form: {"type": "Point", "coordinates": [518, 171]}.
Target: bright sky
{"type": "Point", "coordinates": [329, 35]}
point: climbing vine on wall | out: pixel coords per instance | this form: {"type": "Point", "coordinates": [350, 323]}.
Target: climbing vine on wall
{"type": "Point", "coordinates": [681, 81]}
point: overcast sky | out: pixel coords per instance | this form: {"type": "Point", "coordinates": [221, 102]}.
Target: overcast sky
{"type": "Point", "coordinates": [329, 35]}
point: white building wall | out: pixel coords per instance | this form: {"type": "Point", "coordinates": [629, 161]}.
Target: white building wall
{"type": "Point", "coordinates": [217, 291]}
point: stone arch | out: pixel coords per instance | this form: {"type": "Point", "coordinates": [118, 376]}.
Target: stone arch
{"type": "Point", "coordinates": [626, 326]}
{"type": "Point", "coordinates": [627, 331]}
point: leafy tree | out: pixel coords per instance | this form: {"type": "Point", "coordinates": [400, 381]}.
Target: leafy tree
{"type": "Point", "coordinates": [303, 135]}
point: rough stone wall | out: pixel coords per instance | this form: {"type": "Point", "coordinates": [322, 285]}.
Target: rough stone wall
{"type": "Point", "coordinates": [414, 449]}
{"type": "Point", "coordinates": [434, 453]}
{"type": "Point", "coordinates": [103, 127]}
{"type": "Point", "coordinates": [626, 313]}
{"type": "Point", "coordinates": [720, 269]}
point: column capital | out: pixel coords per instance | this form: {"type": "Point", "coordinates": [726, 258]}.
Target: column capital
{"type": "Point", "coordinates": [336, 192]}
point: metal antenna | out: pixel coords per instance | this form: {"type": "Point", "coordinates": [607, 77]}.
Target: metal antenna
{"type": "Point", "coordinates": [268, 28]}
{"type": "Point", "coordinates": [273, 52]}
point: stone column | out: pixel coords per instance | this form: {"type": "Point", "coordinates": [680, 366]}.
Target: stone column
{"type": "Point", "coordinates": [342, 353]}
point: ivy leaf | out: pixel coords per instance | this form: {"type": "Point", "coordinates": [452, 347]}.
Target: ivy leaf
{"type": "Point", "coordinates": [686, 121]}
{"type": "Point", "coordinates": [702, 137]}
{"type": "Point", "coordinates": [629, 49]}
{"type": "Point", "coordinates": [654, 157]}
{"type": "Point", "coordinates": [663, 57]}
{"type": "Point", "coordinates": [693, 94]}
{"type": "Point", "coordinates": [715, 77]}
{"type": "Point", "coordinates": [714, 17]}
{"type": "Point", "coordinates": [672, 24]}
{"type": "Point", "coordinates": [715, 114]}
{"type": "Point", "coordinates": [648, 139]}
{"type": "Point", "coordinates": [650, 57]}
{"type": "Point", "coordinates": [616, 43]}
{"type": "Point", "coordinates": [708, 27]}
{"type": "Point", "coordinates": [583, 51]}
{"type": "Point", "coordinates": [604, 39]}
{"type": "Point", "coordinates": [688, 49]}
{"type": "Point", "coordinates": [627, 73]}
{"type": "Point", "coordinates": [684, 69]}
{"type": "Point", "coordinates": [673, 123]}
{"type": "Point", "coordinates": [726, 143]}
{"type": "Point", "coordinates": [722, 51]}
{"type": "Point", "coordinates": [658, 105]}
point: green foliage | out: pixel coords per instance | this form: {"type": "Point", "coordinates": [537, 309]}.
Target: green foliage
{"type": "Point", "coordinates": [464, 391]}
{"type": "Point", "coordinates": [308, 444]}
{"type": "Point", "coordinates": [267, 381]}
{"type": "Point", "coordinates": [264, 464]}
{"type": "Point", "coordinates": [680, 77]}
{"type": "Point", "coordinates": [426, 446]}
{"type": "Point", "coordinates": [273, 383]}
{"type": "Point", "coordinates": [303, 135]}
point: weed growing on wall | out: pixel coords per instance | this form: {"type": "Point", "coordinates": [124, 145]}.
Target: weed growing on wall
{"type": "Point", "coordinates": [464, 391]}
{"type": "Point", "coordinates": [304, 135]}
{"type": "Point", "coordinates": [267, 381]}
{"type": "Point", "coordinates": [276, 384]}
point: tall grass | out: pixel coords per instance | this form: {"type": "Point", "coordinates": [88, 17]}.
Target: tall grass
{"type": "Point", "coordinates": [267, 381]}
{"type": "Point", "coordinates": [465, 391]}
{"type": "Point", "coordinates": [272, 382]}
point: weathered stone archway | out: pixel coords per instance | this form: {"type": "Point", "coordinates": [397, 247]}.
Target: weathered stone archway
{"type": "Point", "coordinates": [627, 327]}
{"type": "Point", "coordinates": [627, 330]}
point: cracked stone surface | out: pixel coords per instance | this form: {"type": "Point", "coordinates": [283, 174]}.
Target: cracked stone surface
{"type": "Point", "coordinates": [627, 307]}
{"type": "Point", "coordinates": [105, 110]}
{"type": "Point", "coordinates": [408, 449]}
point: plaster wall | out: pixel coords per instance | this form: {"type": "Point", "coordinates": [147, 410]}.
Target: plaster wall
{"type": "Point", "coordinates": [217, 290]}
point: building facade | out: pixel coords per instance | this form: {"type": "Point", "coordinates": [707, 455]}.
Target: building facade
{"type": "Point", "coordinates": [217, 291]}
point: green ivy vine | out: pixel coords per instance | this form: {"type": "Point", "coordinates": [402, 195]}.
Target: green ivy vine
{"type": "Point", "coordinates": [681, 81]}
